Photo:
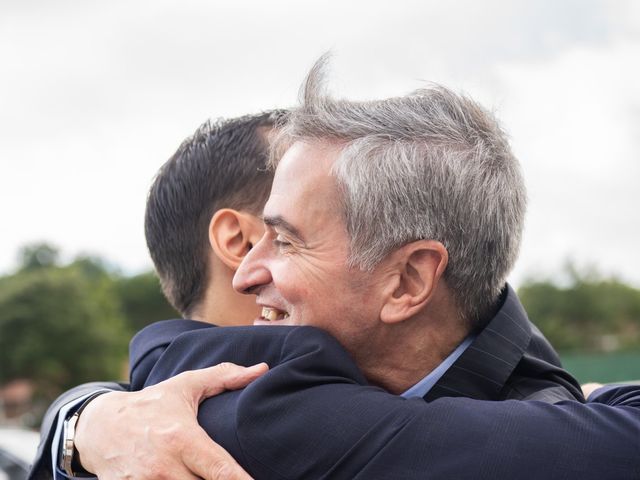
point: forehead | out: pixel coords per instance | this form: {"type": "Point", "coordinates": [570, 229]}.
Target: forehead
{"type": "Point", "coordinates": [303, 180]}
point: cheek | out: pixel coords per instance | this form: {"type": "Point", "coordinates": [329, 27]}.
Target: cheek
{"type": "Point", "coordinates": [291, 281]}
{"type": "Point", "coordinates": [311, 293]}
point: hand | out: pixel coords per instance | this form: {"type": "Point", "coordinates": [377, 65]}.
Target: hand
{"type": "Point", "coordinates": [589, 388]}
{"type": "Point", "coordinates": [154, 433]}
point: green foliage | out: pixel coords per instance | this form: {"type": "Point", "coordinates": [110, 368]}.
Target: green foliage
{"type": "Point", "coordinates": [59, 328]}
{"type": "Point", "coordinates": [65, 325]}
{"type": "Point", "coordinates": [142, 300]}
{"type": "Point", "coordinates": [588, 313]}
{"type": "Point", "coordinates": [38, 255]}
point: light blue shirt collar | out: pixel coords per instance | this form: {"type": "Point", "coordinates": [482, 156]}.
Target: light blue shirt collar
{"type": "Point", "coordinates": [421, 388]}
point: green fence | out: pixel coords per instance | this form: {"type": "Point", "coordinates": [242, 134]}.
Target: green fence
{"type": "Point", "coordinates": [603, 368]}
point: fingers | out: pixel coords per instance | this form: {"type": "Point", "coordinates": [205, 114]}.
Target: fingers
{"type": "Point", "coordinates": [204, 457]}
{"type": "Point", "coordinates": [201, 384]}
{"type": "Point", "coordinates": [210, 461]}
{"type": "Point", "coordinates": [233, 377]}
{"type": "Point", "coordinates": [154, 433]}
{"type": "Point", "coordinates": [175, 473]}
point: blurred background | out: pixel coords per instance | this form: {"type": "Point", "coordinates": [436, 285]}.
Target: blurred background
{"type": "Point", "coordinates": [97, 95]}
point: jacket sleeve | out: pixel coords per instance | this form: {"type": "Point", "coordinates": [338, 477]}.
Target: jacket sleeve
{"type": "Point", "coordinates": [148, 345]}
{"type": "Point", "coordinates": [314, 416]}
{"type": "Point", "coordinates": [464, 438]}
{"type": "Point", "coordinates": [42, 467]}
{"type": "Point", "coordinates": [146, 348]}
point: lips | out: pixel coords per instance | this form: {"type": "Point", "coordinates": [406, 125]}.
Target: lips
{"type": "Point", "coordinates": [272, 314]}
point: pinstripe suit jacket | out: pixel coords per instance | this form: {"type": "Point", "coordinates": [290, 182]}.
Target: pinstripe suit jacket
{"type": "Point", "coordinates": [314, 416]}
{"type": "Point", "coordinates": [509, 359]}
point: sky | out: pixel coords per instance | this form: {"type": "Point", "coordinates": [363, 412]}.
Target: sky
{"type": "Point", "coordinates": [97, 95]}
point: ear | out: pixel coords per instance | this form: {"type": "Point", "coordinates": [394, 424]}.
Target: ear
{"type": "Point", "coordinates": [232, 234]}
{"type": "Point", "coordinates": [416, 272]}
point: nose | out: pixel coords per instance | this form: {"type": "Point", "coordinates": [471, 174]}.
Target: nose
{"type": "Point", "coordinates": [253, 272]}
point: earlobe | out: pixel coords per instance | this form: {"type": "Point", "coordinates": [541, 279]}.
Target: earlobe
{"type": "Point", "coordinates": [419, 268]}
{"type": "Point", "coordinates": [232, 234]}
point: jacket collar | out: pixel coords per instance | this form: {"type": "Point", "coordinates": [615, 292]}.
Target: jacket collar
{"type": "Point", "coordinates": [484, 367]}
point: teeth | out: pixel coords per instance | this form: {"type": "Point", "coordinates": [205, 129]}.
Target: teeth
{"type": "Point", "coordinates": [272, 314]}
{"type": "Point", "coordinates": [269, 314]}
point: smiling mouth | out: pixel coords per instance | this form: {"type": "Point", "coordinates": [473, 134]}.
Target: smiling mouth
{"type": "Point", "coordinates": [272, 314]}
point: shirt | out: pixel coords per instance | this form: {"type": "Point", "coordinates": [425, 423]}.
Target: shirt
{"type": "Point", "coordinates": [421, 388]}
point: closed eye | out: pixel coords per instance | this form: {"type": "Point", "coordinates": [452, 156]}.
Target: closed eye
{"type": "Point", "coordinates": [280, 241]}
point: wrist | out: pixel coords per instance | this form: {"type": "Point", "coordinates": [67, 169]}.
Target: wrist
{"type": "Point", "coordinates": [74, 439]}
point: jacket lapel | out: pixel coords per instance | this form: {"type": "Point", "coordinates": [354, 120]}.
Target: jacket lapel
{"type": "Point", "coordinates": [483, 369]}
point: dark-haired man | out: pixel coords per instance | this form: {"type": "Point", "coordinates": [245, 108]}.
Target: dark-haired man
{"type": "Point", "coordinates": [200, 221]}
{"type": "Point", "coordinates": [202, 216]}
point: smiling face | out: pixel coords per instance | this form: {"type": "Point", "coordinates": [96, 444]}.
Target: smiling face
{"type": "Point", "coordinates": [298, 269]}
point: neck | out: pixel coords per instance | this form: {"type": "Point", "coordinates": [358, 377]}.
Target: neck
{"type": "Point", "coordinates": [222, 305]}
{"type": "Point", "coordinates": [411, 349]}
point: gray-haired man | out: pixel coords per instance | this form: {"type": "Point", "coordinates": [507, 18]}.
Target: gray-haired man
{"type": "Point", "coordinates": [392, 225]}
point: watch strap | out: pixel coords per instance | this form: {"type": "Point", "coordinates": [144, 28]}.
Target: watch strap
{"type": "Point", "coordinates": [69, 458]}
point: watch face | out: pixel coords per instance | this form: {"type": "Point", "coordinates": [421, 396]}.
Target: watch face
{"type": "Point", "coordinates": [68, 432]}
{"type": "Point", "coordinates": [63, 447]}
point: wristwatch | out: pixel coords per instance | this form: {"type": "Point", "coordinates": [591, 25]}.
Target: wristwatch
{"type": "Point", "coordinates": [69, 456]}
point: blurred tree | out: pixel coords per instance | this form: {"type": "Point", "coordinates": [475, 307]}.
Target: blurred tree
{"type": "Point", "coordinates": [142, 300]}
{"type": "Point", "coordinates": [65, 325]}
{"type": "Point", "coordinates": [92, 268]}
{"type": "Point", "coordinates": [38, 255]}
{"type": "Point", "coordinates": [59, 327]}
{"type": "Point", "coordinates": [588, 312]}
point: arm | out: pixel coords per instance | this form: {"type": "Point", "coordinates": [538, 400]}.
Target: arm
{"type": "Point", "coordinates": [42, 466]}
{"type": "Point", "coordinates": [464, 438]}
{"type": "Point", "coordinates": [448, 438]}
{"type": "Point", "coordinates": [149, 347]}
{"type": "Point", "coordinates": [110, 427]}
{"type": "Point", "coordinates": [312, 415]}
{"type": "Point", "coordinates": [126, 445]}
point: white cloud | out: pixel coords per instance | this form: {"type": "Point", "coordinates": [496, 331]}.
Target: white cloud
{"type": "Point", "coordinates": [96, 95]}
{"type": "Point", "coordinates": [575, 125]}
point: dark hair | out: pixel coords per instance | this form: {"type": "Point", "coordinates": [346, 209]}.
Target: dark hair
{"type": "Point", "coordinates": [222, 165]}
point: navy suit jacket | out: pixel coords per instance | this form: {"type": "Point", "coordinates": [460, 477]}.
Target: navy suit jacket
{"type": "Point", "coordinates": [314, 416]}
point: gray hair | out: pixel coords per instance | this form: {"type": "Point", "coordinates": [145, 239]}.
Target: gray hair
{"type": "Point", "coordinates": [429, 165]}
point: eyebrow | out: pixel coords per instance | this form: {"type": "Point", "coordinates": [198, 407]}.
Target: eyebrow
{"type": "Point", "coordinates": [277, 221]}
